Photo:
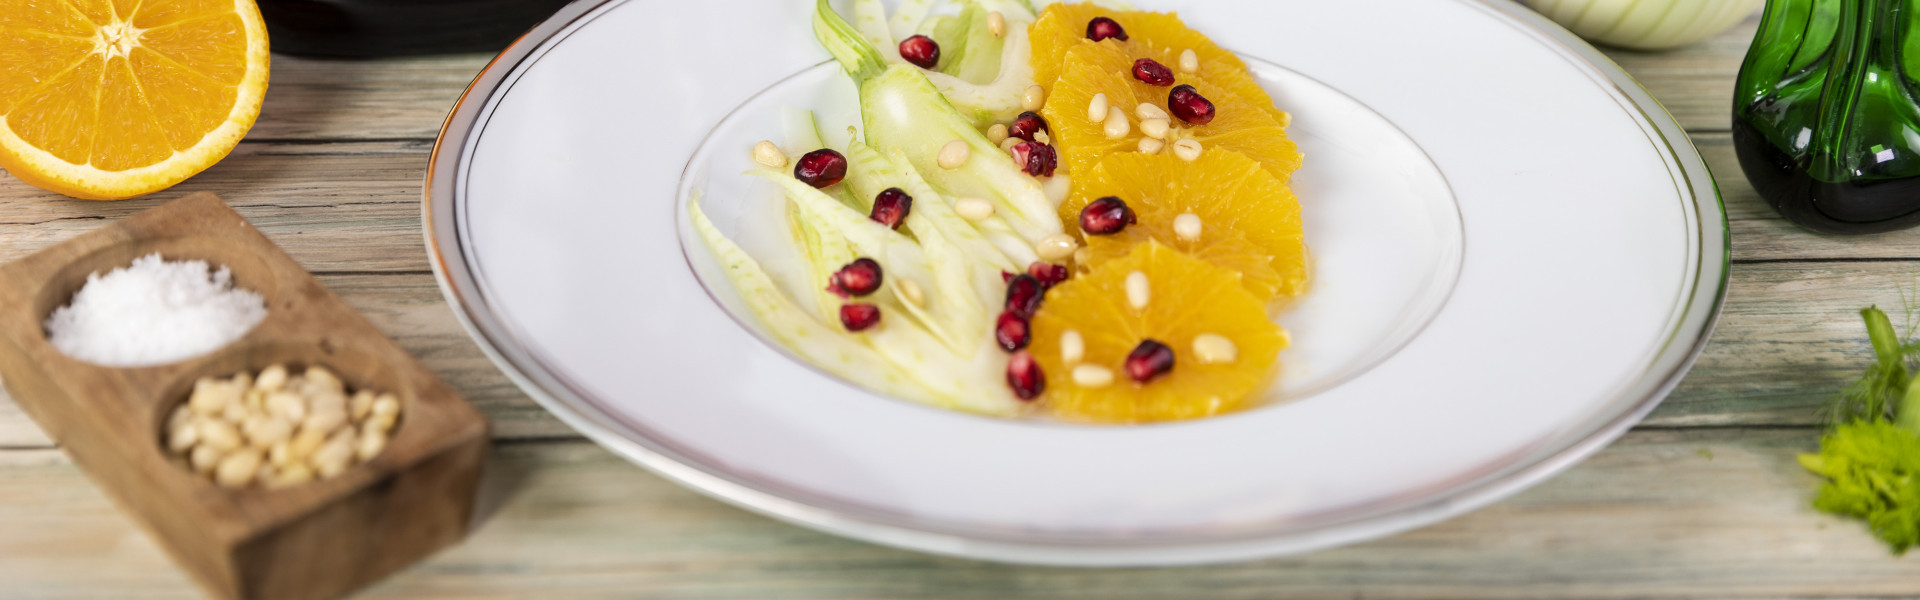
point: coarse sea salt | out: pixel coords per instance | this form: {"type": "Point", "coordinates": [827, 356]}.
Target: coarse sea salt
{"type": "Point", "coordinates": [154, 312]}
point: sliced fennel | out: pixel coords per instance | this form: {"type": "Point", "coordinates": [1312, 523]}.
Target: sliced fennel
{"type": "Point", "coordinates": [906, 19]}
{"type": "Point", "coordinates": [870, 19]}
{"type": "Point", "coordinates": [819, 343]}
{"type": "Point", "coordinates": [903, 111]}
{"type": "Point", "coordinates": [898, 357]}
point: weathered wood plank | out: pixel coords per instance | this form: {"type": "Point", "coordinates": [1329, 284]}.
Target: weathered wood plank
{"type": "Point", "coordinates": [1789, 338]}
{"type": "Point", "coordinates": [1694, 83]}
{"type": "Point", "coordinates": [362, 99]}
{"type": "Point", "coordinates": [578, 522]}
{"type": "Point", "coordinates": [333, 207]}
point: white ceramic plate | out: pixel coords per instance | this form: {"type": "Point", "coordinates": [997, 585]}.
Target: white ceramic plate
{"type": "Point", "coordinates": [1517, 254]}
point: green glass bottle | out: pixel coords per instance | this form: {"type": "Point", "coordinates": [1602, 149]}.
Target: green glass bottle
{"type": "Point", "coordinates": [1826, 113]}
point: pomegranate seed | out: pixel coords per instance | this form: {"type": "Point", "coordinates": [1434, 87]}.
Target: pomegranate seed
{"type": "Point", "coordinates": [1105, 216]}
{"type": "Point", "coordinates": [1035, 158]}
{"type": "Point", "coordinates": [1024, 294]}
{"type": "Point", "coordinates": [820, 168]}
{"type": "Point", "coordinates": [1027, 124]}
{"type": "Point", "coordinates": [1149, 360]}
{"type": "Point", "coordinates": [1152, 72]}
{"type": "Point", "coordinates": [1048, 273]}
{"type": "Point", "coordinates": [1012, 331]}
{"type": "Point", "coordinates": [858, 278]}
{"type": "Point", "coordinates": [920, 50]}
{"type": "Point", "coordinates": [1101, 28]}
{"type": "Point", "coordinates": [857, 317]}
{"type": "Point", "coordinates": [1187, 104]}
{"type": "Point", "coordinates": [891, 207]}
{"type": "Point", "coordinates": [1024, 376]}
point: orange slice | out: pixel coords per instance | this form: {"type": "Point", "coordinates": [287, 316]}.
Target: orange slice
{"type": "Point", "coordinates": [1237, 125]}
{"type": "Point", "coordinates": [1187, 299]}
{"type": "Point", "coordinates": [1248, 220]}
{"type": "Point", "coordinates": [1160, 36]}
{"type": "Point", "coordinates": [110, 99]}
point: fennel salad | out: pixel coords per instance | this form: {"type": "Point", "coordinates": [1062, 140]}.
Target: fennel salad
{"type": "Point", "coordinates": [1078, 211]}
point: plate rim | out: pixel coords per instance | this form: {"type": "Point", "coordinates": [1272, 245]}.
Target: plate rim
{"type": "Point", "coordinates": [1665, 368]}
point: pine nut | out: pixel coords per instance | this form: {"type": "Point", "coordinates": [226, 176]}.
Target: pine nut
{"type": "Point", "coordinates": [1187, 149]}
{"type": "Point", "coordinates": [370, 445]}
{"type": "Point", "coordinates": [328, 462]}
{"type": "Point", "coordinates": [234, 413]}
{"type": "Point", "coordinates": [280, 455]}
{"type": "Point", "coordinates": [1117, 126]}
{"type": "Point", "coordinates": [360, 405]}
{"type": "Point", "coordinates": [910, 290]}
{"type": "Point", "coordinates": [996, 133]}
{"type": "Point", "coordinates": [1055, 247]}
{"type": "Point", "coordinates": [287, 405]}
{"type": "Point", "coordinates": [386, 404]}
{"type": "Point", "coordinates": [1189, 62]}
{"type": "Point", "coordinates": [1033, 98]}
{"type": "Point", "coordinates": [1092, 376]}
{"type": "Point", "coordinates": [954, 154]}
{"type": "Point", "coordinates": [205, 458]}
{"type": "Point", "coordinates": [1097, 108]}
{"type": "Point", "coordinates": [1007, 145]}
{"type": "Point", "coordinates": [263, 431]}
{"type": "Point", "coordinates": [324, 381]}
{"type": "Point", "coordinates": [218, 435]}
{"type": "Point", "coordinates": [1187, 227]}
{"type": "Point", "coordinates": [181, 415]}
{"type": "Point", "coordinates": [271, 379]}
{"type": "Point", "coordinates": [769, 155]}
{"type": "Point", "coordinates": [1072, 346]}
{"type": "Point", "coordinates": [237, 469]}
{"type": "Point", "coordinates": [1138, 290]}
{"type": "Point", "coordinates": [325, 421]}
{"type": "Point", "coordinates": [996, 24]}
{"type": "Point", "coordinates": [382, 422]}
{"type": "Point", "coordinates": [291, 475]}
{"type": "Point", "coordinates": [335, 455]}
{"type": "Point", "coordinates": [1149, 145]}
{"type": "Point", "coordinates": [182, 437]}
{"type": "Point", "coordinates": [305, 443]}
{"type": "Point", "coordinates": [1155, 128]}
{"type": "Point", "coordinates": [973, 209]}
{"type": "Point", "coordinates": [211, 396]}
{"type": "Point", "coordinates": [1147, 110]}
{"type": "Point", "coordinates": [1214, 349]}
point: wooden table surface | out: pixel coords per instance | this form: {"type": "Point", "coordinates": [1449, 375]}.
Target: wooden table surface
{"type": "Point", "coordinates": [1702, 500]}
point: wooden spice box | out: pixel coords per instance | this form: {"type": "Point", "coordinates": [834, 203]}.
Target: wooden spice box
{"type": "Point", "coordinates": [318, 540]}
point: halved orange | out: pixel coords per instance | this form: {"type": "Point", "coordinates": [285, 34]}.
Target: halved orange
{"type": "Point", "coordinates": [1237, 125]}
{"type": "Point", "coordinates": [1160, 36]}
{"type": "Point", "coordinates": [1186, 299]}
{"type": "Point", "coordinates": [110, 99]}
{"type": "Point", "coordinates": [1248, 220]}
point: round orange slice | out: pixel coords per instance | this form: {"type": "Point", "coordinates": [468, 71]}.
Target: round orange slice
{"type": "Point", "coordinates": [1239, 216]}
{"type": "Point", "coordinates": [1163, 37]}
{"type": "Point", "coordinates": [110, 99]}
{"type": "Point", "coordinates": [1237, 125]}
{"type": "Point", "coordinates": [1185, 300]}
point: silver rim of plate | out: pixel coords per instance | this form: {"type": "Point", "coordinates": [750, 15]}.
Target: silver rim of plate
{"type": "Point", "coordinates": [1689, 329]}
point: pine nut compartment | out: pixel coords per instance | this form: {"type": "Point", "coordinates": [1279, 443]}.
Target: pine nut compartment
{"type": "Point", "coordinates": [316, 540]}
{"type": "Point", "coordinates": [292, 425]}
